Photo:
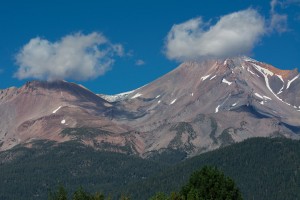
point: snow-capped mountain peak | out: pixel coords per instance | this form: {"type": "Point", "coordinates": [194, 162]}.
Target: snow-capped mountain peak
{"type": "Point", "coordinates": [197, 107]}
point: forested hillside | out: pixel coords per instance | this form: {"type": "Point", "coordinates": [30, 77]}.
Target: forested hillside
{"type": "Point", "coordinates": [262, 169]}
{"type": "Point", "coordinates": [29, 173]}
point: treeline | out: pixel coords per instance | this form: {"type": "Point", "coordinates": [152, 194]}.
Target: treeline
{"type": "Point", "coordinates": [262, 168]}
{"type": "Point", "coordinates": [207, 183]}
{"type": "Point", "coordinates": [28, 173]}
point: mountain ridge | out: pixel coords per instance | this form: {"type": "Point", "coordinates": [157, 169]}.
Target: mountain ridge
{"type": "Point", "coordinates": [197, 107]}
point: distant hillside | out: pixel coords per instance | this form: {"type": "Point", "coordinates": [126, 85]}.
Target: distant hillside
{"type": "Point", "coordinates": [30, 173]}
{"type": "Point", "coordinates": [262, 168]}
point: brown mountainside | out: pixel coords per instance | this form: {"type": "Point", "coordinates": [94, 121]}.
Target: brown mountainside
{"type": "Point", "coordinates": [197, 107]}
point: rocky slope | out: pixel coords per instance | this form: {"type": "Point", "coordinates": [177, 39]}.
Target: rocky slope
{"type": "Point", "coordinates": [56, 111]}
{"type": "Point", "coordinates": [197, 107]}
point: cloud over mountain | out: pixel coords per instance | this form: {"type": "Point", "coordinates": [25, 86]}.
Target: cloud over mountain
{"type": "Point", "coordinates": [234, 34]}
{"type": "Point", "coordinates": [75, 56]}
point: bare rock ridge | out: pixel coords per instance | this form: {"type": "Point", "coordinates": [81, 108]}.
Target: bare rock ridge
{"type": "Point", "coordinates": [197, 107]}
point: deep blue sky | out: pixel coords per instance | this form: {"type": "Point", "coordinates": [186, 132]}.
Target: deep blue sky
{"type": "Point", "coordinates": [140, 26]}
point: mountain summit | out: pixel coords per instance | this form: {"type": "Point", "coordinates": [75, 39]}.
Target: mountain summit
{"type": "Point", "coordinates": [197, 107]}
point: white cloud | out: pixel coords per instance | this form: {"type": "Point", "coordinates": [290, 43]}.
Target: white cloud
{"type": "Point", "coordinates": [75, 56]}
{"type": "Point", "coordinates": [278, 22]}
{"type": "Point", "coordinates": [139, 62]}
{"type": "Point", "coordinates": [234, 34]}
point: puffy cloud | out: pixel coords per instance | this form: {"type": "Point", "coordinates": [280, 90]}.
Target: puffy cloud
{"type": "Point", "coordinates": [139, 62]}
{"type": "Point", "coordinates": [234, 34]}
{"type": "Point", "coordinates": [75, 56]}
{"type": "Point", "coordinates": [278, 22]}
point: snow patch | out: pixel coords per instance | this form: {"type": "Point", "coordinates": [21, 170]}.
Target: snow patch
{"type": "Point", "coordinates": [247, 59]}
{"type": "Point", "coordinates": [225, 81]}
{"type": "Point", "coordinates": [265, 74]}
{"type": "Point", "coordinates": [250, 71]}
{"type": "Point", "coordinates": [217, 109]}
{"type": "Point", "coordinates": [157, 96]}
{"type": "Point", "coordinates": [158, 102]}
{"type": "Point", "coordinates": [258, 95]}
{"type": "Point", "coordinates": [213, 77]}
{"type": "Point", "coordinates": [107, 105]}
{"type": "Point", "coordinates": [116, 97]}
{"type": "Point", "coordinates": [280, 77]}
{"type": "Point", "coordinates": [268, 85]}
{"type": "Point", "coordinates": [54, 111]}
{"type": "Point", "coordinates": [192, 94]}
{"type": "Point", "coordinates": [290, 81]}
{"type": "Point", "coordinates": [225, 62]}
{"type": "Point", "coordinates": [173, 101]}
{"type": "Point", "coordinates": [262, 70]}
{"type": "Point", "coordinates": [136, 95]}
{"type": "Point", "coordinates": [262, 102]}
{"type": "Point", "coordinates": [265, 97]}
{"type": "Point", "coordinates": [234, 104]}
{"type": "Point", "coordinates": [205, 77]}
{"type": "Point", "coordinates": [63, 121]}
{"type": "Point", "coordinates": [119, 97]}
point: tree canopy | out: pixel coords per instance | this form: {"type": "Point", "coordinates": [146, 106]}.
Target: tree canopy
{"type": "Point", "coordinates": [206, 184]}
{"type": "Point", "coordinates": [210, 184]}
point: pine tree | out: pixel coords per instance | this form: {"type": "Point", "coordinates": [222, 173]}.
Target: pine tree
{"type": "Point", "coordinates": [80, 194]}
{"type": "Point", "coordinates": [210, 184]}
{"type": "Point", "coordinates": [61, 194]}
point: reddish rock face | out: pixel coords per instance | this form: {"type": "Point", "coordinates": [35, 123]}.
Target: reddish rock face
{"type": "Point", "coordinates": [41, 110]}
{"type": "Point", "coordinates": [197, 107]}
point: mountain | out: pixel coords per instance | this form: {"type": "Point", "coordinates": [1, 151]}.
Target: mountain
{"type": "Point", "coordinates": [54, 111]}
{"type": "Point", "coordinates": [203, 105]}
{"type": "Point", "coordinates": [198, 107]}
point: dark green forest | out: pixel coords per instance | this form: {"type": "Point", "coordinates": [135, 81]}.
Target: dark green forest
{"type": "Point", "coordinates": [207, 183]}
{"type": "Point", "coordinates": [261, 168]}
